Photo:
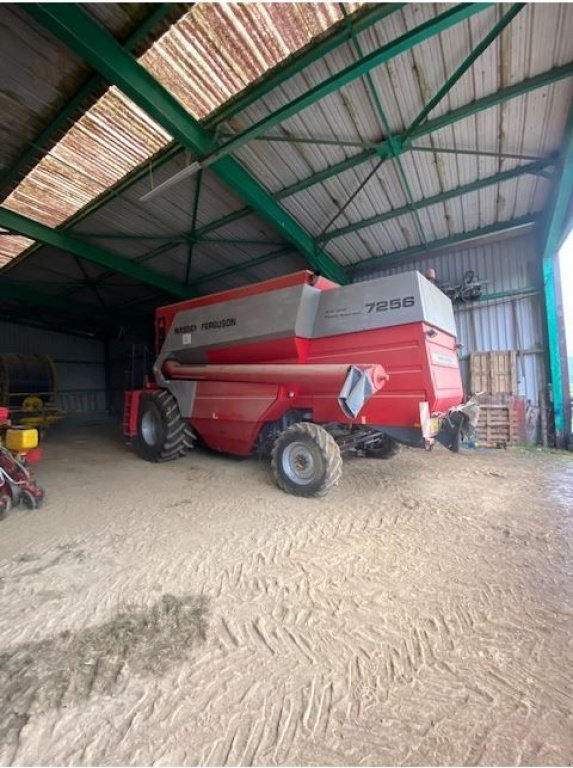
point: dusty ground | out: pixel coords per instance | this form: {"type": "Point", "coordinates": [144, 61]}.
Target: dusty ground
{"type": "Point", "coordinates": [191, 613]}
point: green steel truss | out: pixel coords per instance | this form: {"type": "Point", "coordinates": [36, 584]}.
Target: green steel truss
{"type": "Point", "coordinates": [403, 143]}
{"type": "Point", "coordinates": [357, 69]}
{"type": "Point", "coordinates": [24, 293]}
{"type": "Point", "coordinates": [420, 250]}
{"type": "Point", "coordinates": [22, 225]}
{"type": "Point", "coordinates": [83, 35]}
{"type": "Point", "coordinates": [531, 168]}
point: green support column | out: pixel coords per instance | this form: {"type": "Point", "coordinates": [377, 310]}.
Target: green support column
{"type": "Point", "coordinates": [55, 237]}
{"type": "Point", "coordinates": [556, 220]}
{"type": "Point", "coordinates": [83, 35]}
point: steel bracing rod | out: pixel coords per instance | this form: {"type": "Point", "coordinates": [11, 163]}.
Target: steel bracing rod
{"type": "Point", "coordinates": [556, 220]}
{"type": "Point", "coordinates": [386, 127]}
{"type": "Point", "coordinates": [385, 53]}
{"type": "Point", "coordinates": [492, 35]}
{"type": "Point", "coordinates": [487, 102]}
{"type": "Point", "coordinates": [477, 153]}
{"type": "Point", "coordinates": [363, 19]}
{"type": "Point", "coordinates": [324, 234]}
{"type": "Point", "coordinates": [498, 178]}
{"type": "Point", "coordinates": [421, 250]}
{"type": "Point", "coordinates": [88, 89]}
{"type": "Point", "coordinates": [288, 139]}
{"type": "Point", "coordinates": [58, 239]}
{"type": "Point", "coordinates": [436, 124]}
{"type": "Point", "coordinates": [82, 34]}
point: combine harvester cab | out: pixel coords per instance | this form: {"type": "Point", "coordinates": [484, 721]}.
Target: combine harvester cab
{"type": "Point", "coordinates": [304, 369]}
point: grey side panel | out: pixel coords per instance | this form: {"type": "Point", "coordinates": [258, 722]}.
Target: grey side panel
{"type": "Point", "coordinates": [396, 300]}
{"type": "Point", "coordinates": [437, 307]}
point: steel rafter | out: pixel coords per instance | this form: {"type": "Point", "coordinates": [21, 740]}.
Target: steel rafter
{"type": "Point", "coordinates": [482, 46]}
{"type": "Point", "coordinates": [436, 124]}
{"type": "Point", "coordinates": [487, 102]}
{"type": "Point", "coordinates": [421, 250]}
{"type": "Point", "coordinates": [556, 220]}
{"type": "Point", "coordinates": [82, 34]}
{"type": "Point", "coordinates": [531, 169]}
{"type": "Point", "coordinates": [358, 22]}
{"type": "Point", "coordinates": [394, 48]}
{"type": "Point", "coordinates": [362, 20]}
{"type": "Point", "coordinates": [86, 91]}
{"type": "Point", "coordinates": [59, 239]}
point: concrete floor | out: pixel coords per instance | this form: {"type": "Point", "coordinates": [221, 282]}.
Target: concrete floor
{"type": "Point", "coordinates": [422, 613]}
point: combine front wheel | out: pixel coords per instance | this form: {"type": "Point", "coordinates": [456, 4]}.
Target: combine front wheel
{"type": "Point", "coordinates": [162, 434]}
{"type": "Point", "coordinates": [306, 460]}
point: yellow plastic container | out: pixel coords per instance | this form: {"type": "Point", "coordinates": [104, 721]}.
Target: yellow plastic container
{"type": "Point", "coordinates": [21, 439]}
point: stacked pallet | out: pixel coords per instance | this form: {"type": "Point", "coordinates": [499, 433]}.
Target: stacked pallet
{"type": "Point", "coordinates": [498, 425]}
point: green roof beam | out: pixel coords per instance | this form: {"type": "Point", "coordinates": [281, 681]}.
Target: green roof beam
{"type": "Point", "coordinates": [421, 250]}
{"type": "Point", "coordinates": [88, 89]}
{"type": "Point", "coordinates": [360, 20]}
{"type": "Point", "coordinates": [77, 29]}
{"type": "Point", "coordinates": [486, 102]}
{"type": "Point", "coordinates": [492, 35]}
{"type": "Point", "coordinates": [532, 169]}
{"type": "Point", "coordinates": [58, 239]}
{"type": "Point", "coordinates": [385, 53]}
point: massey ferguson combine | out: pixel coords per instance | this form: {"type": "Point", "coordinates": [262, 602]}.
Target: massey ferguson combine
{"type": "Point", "coordinates": [303, 369]}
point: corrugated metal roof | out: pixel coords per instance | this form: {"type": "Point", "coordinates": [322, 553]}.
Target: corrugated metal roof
{"type": "Point", "coordinates": [538, 39]}
{"type": "Point", "coordinates": [197, 55]}
{"type": "Point", "coordinates": [209, 55]}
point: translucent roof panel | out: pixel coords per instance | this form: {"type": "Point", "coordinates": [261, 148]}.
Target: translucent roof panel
{"type": "Point", "coordinates": [209, 55]}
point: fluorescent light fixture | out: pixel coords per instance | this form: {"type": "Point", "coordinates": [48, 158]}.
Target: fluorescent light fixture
{"type": "Point", "coordinates": [189, 170]}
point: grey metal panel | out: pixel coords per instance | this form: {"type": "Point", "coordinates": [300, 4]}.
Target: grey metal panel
{"type": "Point", "coordinates": [513, 322]}
{"type": "Point", "coordinates": [80, 364]}
{"type": "Point", "coordinates": [368, 305]}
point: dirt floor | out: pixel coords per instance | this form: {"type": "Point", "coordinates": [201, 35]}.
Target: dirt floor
{"type": "Point", "coordinates": [187, 613]}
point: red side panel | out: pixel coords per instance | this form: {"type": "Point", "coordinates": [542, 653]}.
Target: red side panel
{"type": "Point", "coordinates": [228, 417]}
{"type": "Point", "coordinates": [420, 368]}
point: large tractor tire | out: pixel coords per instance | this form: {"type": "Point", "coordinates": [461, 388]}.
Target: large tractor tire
{"type": "Point", "coordinates": [162, 435]}
{"type": "Point", "coordinates": [383, 448]}
{"type": "Point", "coordinates": [306, 460]}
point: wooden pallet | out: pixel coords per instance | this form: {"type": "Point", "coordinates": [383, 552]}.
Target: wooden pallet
{"type": "Point", "coordinates": [493, 372]}
{"type": "Point", "coordinates": [498, 424]}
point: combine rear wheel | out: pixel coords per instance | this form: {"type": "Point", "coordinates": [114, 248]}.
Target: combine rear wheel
{"type": "Point", "coordinates": [306, 460]}
{"type": "Point", "coordinates": [383, 448]}
{"type": "Point", "coordinates": [162, 435]}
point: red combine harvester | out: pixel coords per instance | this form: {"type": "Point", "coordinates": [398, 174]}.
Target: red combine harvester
{"type": "Point", "coordinates": [303, 369]}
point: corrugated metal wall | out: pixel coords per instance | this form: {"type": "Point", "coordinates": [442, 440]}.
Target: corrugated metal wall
{"type": "Point", "coordinates": [513, 322]}
{"type": "Point", "coordinates": [80, 365]}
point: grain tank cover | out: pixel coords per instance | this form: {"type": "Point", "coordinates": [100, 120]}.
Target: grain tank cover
{"type": "Point", "coordinates": [395, 300]}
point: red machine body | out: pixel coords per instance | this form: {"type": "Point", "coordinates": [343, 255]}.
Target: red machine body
{"type": "Point", "coordinates": [293, 332]}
